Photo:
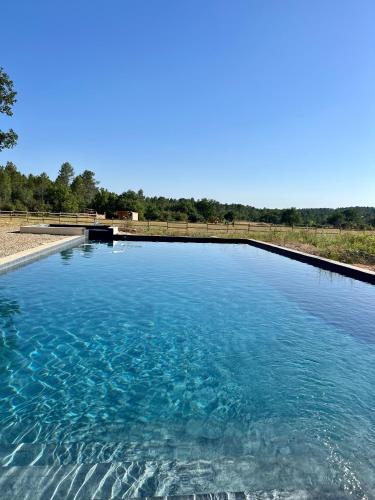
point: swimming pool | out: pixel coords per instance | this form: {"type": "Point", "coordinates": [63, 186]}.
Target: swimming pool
{"type": "Point", "coordinates": [175, 368]}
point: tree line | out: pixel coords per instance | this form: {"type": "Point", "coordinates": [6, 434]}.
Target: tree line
{"type": "Point", "coordinates": [78, 193]}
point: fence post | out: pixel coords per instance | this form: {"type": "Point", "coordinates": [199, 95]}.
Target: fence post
{"type": "Point", "coordinates": [167, 226]}
{"type": "Point", "coordinates": [148, 224]}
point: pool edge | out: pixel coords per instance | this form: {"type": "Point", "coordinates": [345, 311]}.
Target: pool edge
{"type": "Point", "coordinates": [27, 256]}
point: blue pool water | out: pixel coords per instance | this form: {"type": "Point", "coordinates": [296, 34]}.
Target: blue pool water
{"type": "Point", "coordinates": [158, 368]}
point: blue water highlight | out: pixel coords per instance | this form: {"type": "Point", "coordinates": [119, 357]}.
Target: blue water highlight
{"type": "Point", "coordinates": [141, 369]}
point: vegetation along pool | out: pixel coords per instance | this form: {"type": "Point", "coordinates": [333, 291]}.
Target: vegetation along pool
{"type": "Point", "coordinates": [167, 368]}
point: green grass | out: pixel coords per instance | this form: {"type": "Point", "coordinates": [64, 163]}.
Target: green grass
{"type": "Point", "coordinates": [352, 248]}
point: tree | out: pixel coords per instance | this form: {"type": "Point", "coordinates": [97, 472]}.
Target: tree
{"type": "Point", "coordinates": [5, 189]}
{"type": "Point", "coordinates": [20, 193]}
{"type": "Point", "coordinates": [42, 184]}
{"type": "Point", "coordinates": [105, 202]}
{"type": "Point", "coordinates": [337, 219]}
{"type": "Point", "coordinates": [65, 175]}
{"type": "Point", "coordinates": [132, 201]}
{"type": "Point", "coordinates": [208, 209]}
{"type": "Point", "coordinates": [63, 198]}
{"type": "Point", "coordinates": [85, 188]}
{"type": "Point", "coordinates": [78, 190]}
{"type": "Point", "coordinates": [269, 215]}
{"type": "Point", "coordinates": [153, 213]}
{"type": "Point", "coordinates": [352, 217]}
{"type": "Point", "coordinates": [7, 100]}
{"type": "Point", "coordinates": [184, 208]}
{"type": "Point", "coordinates": [291, 216]}
{"type": "Point", "coordinates": [229, 216]}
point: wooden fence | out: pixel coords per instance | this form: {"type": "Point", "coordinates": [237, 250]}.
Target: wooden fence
{"type": "Point", "coordinates": [48, 217]}
{"type": "Point", "coordinates": [220, 228]}
{"type": "Point", "coordinates": [163, 226]}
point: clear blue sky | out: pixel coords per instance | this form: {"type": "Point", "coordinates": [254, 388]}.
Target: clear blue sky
{"type": "Point", "coordinates": [265, 102]}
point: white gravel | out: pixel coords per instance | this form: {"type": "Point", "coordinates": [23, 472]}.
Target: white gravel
{"type": "Point", "coordinates": [11, 241]}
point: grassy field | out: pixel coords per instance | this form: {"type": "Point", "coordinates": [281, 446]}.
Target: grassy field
{"type": "Point", "coordinates": [352, 247]}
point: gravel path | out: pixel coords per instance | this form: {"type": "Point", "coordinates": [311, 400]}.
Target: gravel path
{"type": "Point", "coordinates": [12, 242]}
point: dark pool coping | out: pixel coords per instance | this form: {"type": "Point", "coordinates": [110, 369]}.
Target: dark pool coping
{"type": "Point", "coordinates": [25, 257]}
{"type": "Point", "coordinates": [330, 265]}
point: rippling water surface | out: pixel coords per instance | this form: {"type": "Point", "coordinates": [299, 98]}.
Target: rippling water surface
{"type": "Point", "coordinates": [155, 368]}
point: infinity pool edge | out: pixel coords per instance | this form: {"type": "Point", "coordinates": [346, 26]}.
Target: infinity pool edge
{"type": "Point", "coordinates": [355, 272]}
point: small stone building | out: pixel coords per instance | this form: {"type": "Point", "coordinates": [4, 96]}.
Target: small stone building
{"type": "Point", "coordinates": [126, 215]}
